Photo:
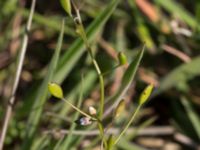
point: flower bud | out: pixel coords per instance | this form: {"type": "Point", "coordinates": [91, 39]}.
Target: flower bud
{"type": "Point", "coordinates": [84, 121]}
{"type": "Point", "coordinates": [92, 110]}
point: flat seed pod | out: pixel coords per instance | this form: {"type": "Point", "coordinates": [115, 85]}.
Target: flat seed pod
{"type": "Point", "coordinates": [110, 142]}
{"type": "Point", "coordinates": [66, 4]}
{"type": "Point", "coordinates": [55, 90]}
{"type": "Point", "coordinates": [145, 94]}
{"type": "Point", "coordinates": [120, 108]}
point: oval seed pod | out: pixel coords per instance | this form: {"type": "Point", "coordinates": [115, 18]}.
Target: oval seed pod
{"type": "Point", "coordinates": [92, 110]}
{"type": "Point", "coordinates": [110, 142]}
{"type": "Point", "coordinates": [122, 58]}
{"type": "Point", "coordinates": [55, 90]}
{"type": "Point", "coordinates": [120, 108]}
{"type": "Point", "coordinates": [66, 4]}
{"type": "Point", "coordinates": [145, 94]}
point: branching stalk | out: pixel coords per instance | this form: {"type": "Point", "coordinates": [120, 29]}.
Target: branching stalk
{"type": "Point", "coordinates": [80, 111]}
{"type": "Point", "coordinates": [82, 33]}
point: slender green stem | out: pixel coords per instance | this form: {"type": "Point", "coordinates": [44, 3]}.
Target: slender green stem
{"type": "Point", "coordinates": [100, 125]}
{"type": "Point", "coordinates": [101, 81]}
{"type": "Point", "coordinates": [101, 130]}
{"type": "Point", "coordinates": [128, 124]}
{"type": "Point", "coordinates": [82, 33]}
{"type": "Point", "coordinates": [110, 70]}
{"type": "Point", "coordinates": [77, 109]}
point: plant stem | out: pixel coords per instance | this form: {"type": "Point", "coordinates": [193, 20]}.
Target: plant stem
{"type": "Point", "coordinates": [77, 109]}
{"type": "Point", "coordinates": [128, 124]}
{"type": "Point", "coordinates": [101, 81]}
{"type": "Point", "coordinates": [82, 33]}
{"type": "Point", "coordinates": [110, 70]}
{"type": "Point", "coordinates": [101, 129]}
{"type": "Point", "coordinates": [17, 76]}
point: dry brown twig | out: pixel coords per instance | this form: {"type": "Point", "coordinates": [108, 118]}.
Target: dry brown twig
{"type": "Point", "coordinates": [176, 53]}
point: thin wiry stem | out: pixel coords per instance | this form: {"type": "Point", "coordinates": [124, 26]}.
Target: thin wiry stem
{"type": "Point", "coordinates": [82, 33]}
{"type": "Point", "coordinates": [17, 77]}
{"type": "Point", "coordinates": [80, 111]}
{"type": "Point", "coordinates": [128, 124]}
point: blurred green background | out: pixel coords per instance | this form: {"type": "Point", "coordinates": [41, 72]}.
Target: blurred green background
{"type": "Point", "coordinates": [171, 31]}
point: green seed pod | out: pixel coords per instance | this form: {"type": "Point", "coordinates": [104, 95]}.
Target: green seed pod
{"type": "Point", "coordinates": [145, 94]}
{"type": "Point", "coordinates": [120, 108]}
{"type": "Point", "coordinates": [55, 90]}
{"type": "Point", "coordinates": [110, 142]}
{"type": "Point", "coordinates": [66, 4]}
{"type": "Point", "coordinates": [122, 58]}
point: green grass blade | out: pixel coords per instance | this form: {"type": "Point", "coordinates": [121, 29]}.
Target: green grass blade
{"type": "Point", "coordinates": [179, 75]}
{"type": "Point", "coordinates": [41, 97]}
{"type": "Point", "coordinates": [72, 55]}
{"type": "Point", "coordinates": [127, 145]}
{"type": "Point", "coordinates": [49, 22]}
{"type": "Point", "coordinates": [40, 142]}
{"type": "Point", "coordinates": [67, 140]}
{"type": "Point", "coordinates": [89, 80]}
{"type": "Point", "coordinates": [126, 81]}
{"type": "Point", "coordinates": [174, 8]}
{"type": "Point", "coordinates": [194, 118]}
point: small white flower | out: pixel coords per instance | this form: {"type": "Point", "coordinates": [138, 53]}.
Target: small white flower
{"type": "Point", "coordinates": [92, 110]}
{"type": "Point", "coordinates": [84, 121]}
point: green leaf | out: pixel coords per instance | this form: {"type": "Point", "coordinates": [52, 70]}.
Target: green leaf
{"type": "Point", "coordinates": [126, 82]}
{"type": "Point", "coordinates": [127, 145]}
{"type": "Point", "coordinates": [36, 111]}
{"type": "Point", "coordinates": [67, 140]}
{"type": "Point", "coordinates": [192, 114]}
{"type": "Point", "coordinates": [55, 90]}
{"type": "Point", "coordinates": [48, 22]}
{"type": "Point", "coordinates": [70, 57]}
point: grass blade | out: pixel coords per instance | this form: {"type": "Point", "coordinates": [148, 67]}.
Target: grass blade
{"type": "Point", "coordinates": [126, 82]}
{"type": "Point", "coordinates": [174, 8]}
{"type": "Point", "coordinates": [41, 97]}
{"type": "Point", "coordinates": [68, 139]}
{"type": "Point", "coordinates": [193, 117]}
{"type": "Point", "coordinates": [72, 55]}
